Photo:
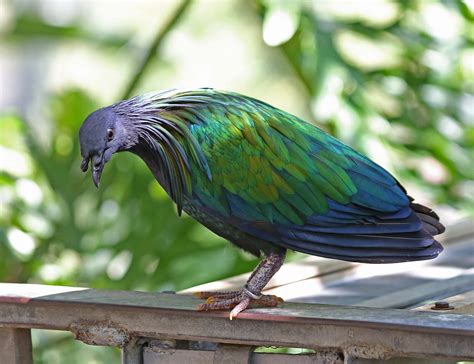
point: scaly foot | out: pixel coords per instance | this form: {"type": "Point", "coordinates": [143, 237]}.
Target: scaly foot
{"type": "Point", "coordinates": [235, 300]}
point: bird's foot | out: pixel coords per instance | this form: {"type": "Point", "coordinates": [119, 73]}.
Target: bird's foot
{"type": "Point", "coordinates": [235, 300]}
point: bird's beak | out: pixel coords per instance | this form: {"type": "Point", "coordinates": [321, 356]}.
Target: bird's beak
{"type": "Point", "coordinates": [96, 173]}
{"type": "Point", "coordinates": [97, 167]}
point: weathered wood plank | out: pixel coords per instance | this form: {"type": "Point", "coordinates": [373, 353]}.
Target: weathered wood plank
{"type": "Point", "coordinates": [413, 295]}
{"type": "Point", "coordinates": [457, 231]}
{"type": "Point", "coordinates": [15, 346]}
{"type": "Point", "coordinates": [383, 332]}
{"type": "Point", "coordinates": [290, 272]}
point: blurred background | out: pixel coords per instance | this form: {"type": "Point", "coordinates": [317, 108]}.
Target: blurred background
{"type": "Point", "coordinates": [394, 79]}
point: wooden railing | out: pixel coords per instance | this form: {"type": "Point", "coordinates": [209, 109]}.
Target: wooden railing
{"type": "Point", "coordinates": [165, 327]}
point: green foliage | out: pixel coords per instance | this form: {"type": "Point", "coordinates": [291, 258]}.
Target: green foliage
{"type": "Point", "coordinates": [394, 87]}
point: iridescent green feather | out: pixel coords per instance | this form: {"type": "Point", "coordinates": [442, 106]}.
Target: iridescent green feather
{"type": "Point", "coordinates": [267, 164]}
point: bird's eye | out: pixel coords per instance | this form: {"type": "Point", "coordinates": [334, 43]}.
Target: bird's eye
{"type": "Point", "coordinates": [110, 134]}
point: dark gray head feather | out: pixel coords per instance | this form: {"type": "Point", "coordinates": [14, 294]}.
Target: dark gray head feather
{"type": "Point", "coordinates": [102, 134]}
{"type": "Point", "coordinates": [148, 126]}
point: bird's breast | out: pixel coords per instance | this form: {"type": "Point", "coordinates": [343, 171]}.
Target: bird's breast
{"type": "Point", "coordinates": [220, 226]}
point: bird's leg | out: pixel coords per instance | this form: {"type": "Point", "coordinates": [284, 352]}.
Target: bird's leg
{"type": "Point", "coordinates": [251, 293]}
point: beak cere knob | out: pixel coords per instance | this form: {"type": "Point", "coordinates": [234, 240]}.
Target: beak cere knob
{"type": "Point", "coordinates": [85, 164]}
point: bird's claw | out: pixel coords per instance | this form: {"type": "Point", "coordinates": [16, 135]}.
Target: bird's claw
{"type": "Point", "coordinates": [237, 301]}
{"type": "Point", "coordinates": [242, 305]}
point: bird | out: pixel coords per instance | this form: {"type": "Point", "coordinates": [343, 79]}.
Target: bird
{"type": "Point", "coordinates": [265, 180]}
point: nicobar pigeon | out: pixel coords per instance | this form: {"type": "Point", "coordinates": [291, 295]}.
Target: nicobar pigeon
{"type": "Point", "coordinates": [265, 180]}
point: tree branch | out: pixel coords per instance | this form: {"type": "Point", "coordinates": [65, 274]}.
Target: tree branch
{"type": "Point", "coordinates": [152, 49]}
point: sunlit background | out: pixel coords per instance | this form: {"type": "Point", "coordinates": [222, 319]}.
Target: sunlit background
{"type": "Point", "coordinates": [393, 79]}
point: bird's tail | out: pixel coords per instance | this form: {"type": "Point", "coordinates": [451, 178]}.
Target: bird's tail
{"type": "Point", "coordinates": [429, 218]}
{"type": "Point", "coordinates": [402, 236]}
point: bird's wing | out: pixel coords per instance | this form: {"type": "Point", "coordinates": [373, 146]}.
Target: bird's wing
{"type": "Point", "coordinates": [268, 165]}
{"type": "Point", "coordinates": [321, 196]}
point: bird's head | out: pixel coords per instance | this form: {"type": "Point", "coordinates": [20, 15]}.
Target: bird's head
{"type": "Point", "coordinates": [147, 126]}
{"type": "Point", "coordinates": [103, 133]}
